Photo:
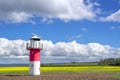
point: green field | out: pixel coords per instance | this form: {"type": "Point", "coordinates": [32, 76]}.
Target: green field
{"type": "Point", "coordinates": [114, 70]}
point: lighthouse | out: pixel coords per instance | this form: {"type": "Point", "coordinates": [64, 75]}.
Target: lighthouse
{"type": "Point", "coordinates": [34, 46]}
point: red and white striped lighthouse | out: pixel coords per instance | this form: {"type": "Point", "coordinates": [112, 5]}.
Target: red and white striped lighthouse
{"type": "Point", "coordinates": [34, 46]}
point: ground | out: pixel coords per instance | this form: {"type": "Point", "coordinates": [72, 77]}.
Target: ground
{"type": "Point", "coordinates": [61, 76]}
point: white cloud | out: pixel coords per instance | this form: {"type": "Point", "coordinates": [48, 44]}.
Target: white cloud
{"type": "Point", "coordinates": [46, 20]}
{"type": "Point", "coordinates": [12, 48]}
{"type": "Point", "coordinates": [19, 17]}
{"type": "Point", "coordinates": [59, 52]}
{"type": "Point", "coordinates": [66, 10]}
{"type": "Point", "coordinates": [74, 37]}
{"type": "Point", "coordinates": [119, 27]}
{"type": "Point", "coordinates": [97, 4]}
{"type": "Point", "coordinates": [112, 28]}
{"type": "Point", "coordinates": [115, 27]}
{"type": "Point", "coordinates": [84, 29]}
{"type": "Point", "coordinates": [114, 17]}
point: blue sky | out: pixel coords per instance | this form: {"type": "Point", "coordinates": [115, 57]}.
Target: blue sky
{"type": "Point", "coordinates": [58, 31]}
{"type": "Point", "coordinates": [87, 21]}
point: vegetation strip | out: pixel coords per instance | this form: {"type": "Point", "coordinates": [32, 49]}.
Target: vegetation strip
{"type": "Point", "coordinates": [64, 69]}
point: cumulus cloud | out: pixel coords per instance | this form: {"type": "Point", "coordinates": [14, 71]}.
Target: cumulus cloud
{"type": "Point", "coordinates": [16, 17]}
{"type": "Point", "coordinates": [114, 17]}
{"type": "Point", "coordinates": [81, 50]}
{"type": "Point", "coordinates": [25, 10]}
{"type": "Point", "coordinates": [12, 48]}
{"type": "Point", "coordinates": [59, 52]}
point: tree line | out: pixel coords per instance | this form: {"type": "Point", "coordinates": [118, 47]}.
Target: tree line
{"type": "Point", "coordinates": [110, 61]}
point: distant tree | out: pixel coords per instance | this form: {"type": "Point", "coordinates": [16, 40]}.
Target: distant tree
{"type": "Point", "coordinates": [101, 62]}
{"type": "Point", "coordinates": [110, 61]}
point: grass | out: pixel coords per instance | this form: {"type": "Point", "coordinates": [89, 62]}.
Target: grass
{"type": "Point", "coordinates": [115, 70]}
{"type": "Point", "coordinates": [116, 75]}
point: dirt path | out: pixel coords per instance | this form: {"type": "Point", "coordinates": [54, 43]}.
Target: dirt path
{"type": "Point", "coordinates": [60, 76]}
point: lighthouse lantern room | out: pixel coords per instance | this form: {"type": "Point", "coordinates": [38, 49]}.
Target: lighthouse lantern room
{"type": "Point", "coordinates": [35, 47]}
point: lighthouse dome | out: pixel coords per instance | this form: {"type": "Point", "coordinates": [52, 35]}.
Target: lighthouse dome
{"type": "Point", "coordinates": [35, 37]}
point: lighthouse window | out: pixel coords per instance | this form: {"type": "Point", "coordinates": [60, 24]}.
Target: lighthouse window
{"type": "Point", "coordinates": [32, 65]}
{"type": "Point", "coordinates": [37, 39]}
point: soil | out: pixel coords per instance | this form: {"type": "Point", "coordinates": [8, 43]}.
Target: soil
{"type": "Point", "coordinates": [61, 76]}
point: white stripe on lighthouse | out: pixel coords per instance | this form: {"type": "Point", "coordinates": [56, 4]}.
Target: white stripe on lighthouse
{"type": "Point", "coordinates": [34, 67]}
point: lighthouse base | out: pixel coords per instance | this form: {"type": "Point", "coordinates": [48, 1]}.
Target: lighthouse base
{"type": "Point", "coordinates": [34, 68]}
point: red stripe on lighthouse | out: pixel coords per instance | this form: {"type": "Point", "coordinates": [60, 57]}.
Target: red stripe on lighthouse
{"type": "Point", "coordinates": [34, 54]}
